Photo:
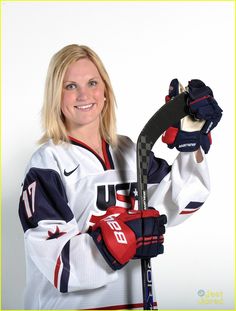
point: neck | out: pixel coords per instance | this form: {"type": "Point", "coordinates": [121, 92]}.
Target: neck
{"type": "Point", "coordinates": [90, 137]}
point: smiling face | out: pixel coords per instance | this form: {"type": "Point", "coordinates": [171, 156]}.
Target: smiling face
{"type": "Point", "coordinates": [82, 96]}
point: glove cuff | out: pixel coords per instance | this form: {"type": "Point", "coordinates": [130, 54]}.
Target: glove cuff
{"type": "Point", "coordinates": [191, 141]}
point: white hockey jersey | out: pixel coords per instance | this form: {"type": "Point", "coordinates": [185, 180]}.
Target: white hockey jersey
{"type": "Point", "coordinates": [64, 186]}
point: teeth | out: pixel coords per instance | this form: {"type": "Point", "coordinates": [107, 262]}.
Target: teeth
{"type": "Point", "coordinates": [85, 106]}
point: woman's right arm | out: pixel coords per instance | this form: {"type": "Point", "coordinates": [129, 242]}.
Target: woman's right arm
{"type": "Point", "coordinates": [68, 258]}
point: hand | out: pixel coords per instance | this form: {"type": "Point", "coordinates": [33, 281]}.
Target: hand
{"type": "Point", "coordinates": [193, 131]}
{"type": "Point", "coordinates": [122, 235]}
{"type": "Point", "coordinates": [202, 105]}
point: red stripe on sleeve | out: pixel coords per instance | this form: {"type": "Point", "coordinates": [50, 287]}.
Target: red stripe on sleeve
{"type": "Point", "coordinates": [56, 271]}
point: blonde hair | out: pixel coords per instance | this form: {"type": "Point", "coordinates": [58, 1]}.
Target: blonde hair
{"type": "Point", "coordinates": [52, 117]}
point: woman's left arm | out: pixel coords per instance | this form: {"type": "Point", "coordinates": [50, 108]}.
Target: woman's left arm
{"type": "Point", "coordinates": [183, 190]}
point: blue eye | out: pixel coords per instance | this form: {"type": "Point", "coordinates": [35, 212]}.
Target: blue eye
{"type": "Point", "coordinates": [71, 86]}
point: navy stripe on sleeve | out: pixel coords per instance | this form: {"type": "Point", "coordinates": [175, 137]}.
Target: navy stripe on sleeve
{"type": "Point", "coordinates": [43, 198]}
{"type": "Point", "coordinates": [65, 256]}
{"type": "Point", "coordinates": [192, 207]}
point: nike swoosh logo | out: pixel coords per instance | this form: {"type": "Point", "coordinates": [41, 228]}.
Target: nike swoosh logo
{"type": "Point", "coordinates": [69, 173]}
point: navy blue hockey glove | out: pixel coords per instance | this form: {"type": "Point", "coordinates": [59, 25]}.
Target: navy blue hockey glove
{"type": "Point", "coordinates": [193, 131]}
{"type": "Point", "coordinates": [202, 105]}
{"type": "Point", "coordinates": [122, 235]}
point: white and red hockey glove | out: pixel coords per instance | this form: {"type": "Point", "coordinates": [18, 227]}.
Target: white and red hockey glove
{"type": "Point", "coordinates": [193, 131]}
{"type": "Point", "coordinates": [123, 234]}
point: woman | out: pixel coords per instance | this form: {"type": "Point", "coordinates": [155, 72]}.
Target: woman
{"type": "Point", "coordinates": [78, 206]}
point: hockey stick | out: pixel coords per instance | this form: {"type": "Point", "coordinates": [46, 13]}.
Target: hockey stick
{"type": "Point", "coordinates": [166, 116]}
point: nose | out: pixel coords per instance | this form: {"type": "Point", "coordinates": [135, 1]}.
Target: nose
{"type": "Point", "coordinates": [82, 94]}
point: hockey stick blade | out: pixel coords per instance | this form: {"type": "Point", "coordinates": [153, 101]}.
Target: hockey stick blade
{"type": "Point", "coordinates": [166, 116]}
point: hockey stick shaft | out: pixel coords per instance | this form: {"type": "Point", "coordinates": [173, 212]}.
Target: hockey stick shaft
{"type": "Point", "coordinates": [165, 117]}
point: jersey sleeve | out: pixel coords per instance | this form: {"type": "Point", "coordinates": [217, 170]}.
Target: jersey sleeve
{"type": "Point", "coordinates": [181, 191]}
{"type": "Point", "coordinates": [68, 258]}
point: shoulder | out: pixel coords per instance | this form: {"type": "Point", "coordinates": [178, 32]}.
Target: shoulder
{"type": "Point", "coordinates": [125, 142]}
{"type": "Point", "coordinates": [124, 154]}
{"type": "Point", "coordinates": [47, 155]}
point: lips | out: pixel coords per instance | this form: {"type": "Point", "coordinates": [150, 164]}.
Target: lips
{"type": "Point", "coordinates": [85, 107]}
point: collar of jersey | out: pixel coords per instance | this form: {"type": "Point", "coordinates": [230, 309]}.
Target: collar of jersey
{"type": "Point", "coordinates": [107, 163]}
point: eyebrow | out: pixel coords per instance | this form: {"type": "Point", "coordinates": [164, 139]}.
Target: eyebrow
{"type": "Point", "coordinates": [71, 81]}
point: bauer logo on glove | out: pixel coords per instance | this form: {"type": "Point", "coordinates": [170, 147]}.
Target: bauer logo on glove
{"type": "Point", "coordinates": [193, 131]}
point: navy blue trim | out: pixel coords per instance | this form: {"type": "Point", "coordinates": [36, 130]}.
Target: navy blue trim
{"type": "Point", "coordinates": [157, 169]}
{"type": "Point", "coordinates": [50, 201]}
{"type": "Point", "coordinates": [109, 156]}
{"type": "Point", "coordinates": [65, 256]}
{"type": "Point", "coordinates": [194, 205]}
